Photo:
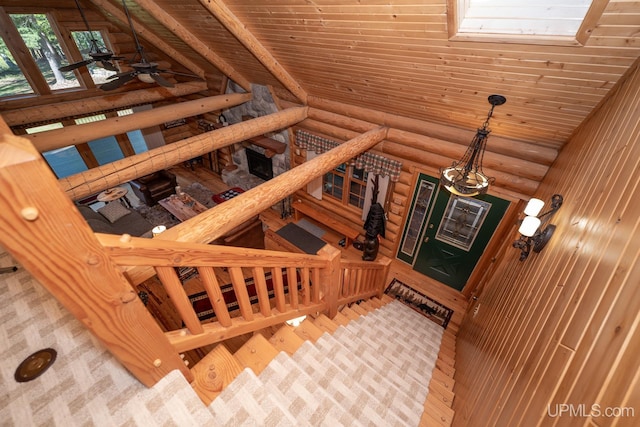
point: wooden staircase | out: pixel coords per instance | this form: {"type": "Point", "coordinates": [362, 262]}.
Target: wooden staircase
{"type": "Point", "coordinates": [219, 368]}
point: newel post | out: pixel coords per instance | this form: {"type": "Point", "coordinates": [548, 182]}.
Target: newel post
{"type": "Point", "coordinates": [41, 229]}
{"type": "Point", "coordinates": [382, 280]}
{"type": "Point", "coordinates": [330, 279]}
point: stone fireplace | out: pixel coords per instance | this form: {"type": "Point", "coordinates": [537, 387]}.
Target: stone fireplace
{"type": "Point", "coordinates": [245, 174]}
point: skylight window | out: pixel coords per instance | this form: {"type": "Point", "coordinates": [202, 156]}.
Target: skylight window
{"type": "Point", "coordinates": [524, 21]}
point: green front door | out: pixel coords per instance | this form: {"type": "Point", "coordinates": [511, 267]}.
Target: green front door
{"type": "Point", "coordinates": [455, 235]}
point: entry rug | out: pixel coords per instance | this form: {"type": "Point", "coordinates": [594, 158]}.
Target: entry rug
{"type": "Point", "coordinates": [428, 307]}
{"type": "Point", "coordinates": [202, 305]}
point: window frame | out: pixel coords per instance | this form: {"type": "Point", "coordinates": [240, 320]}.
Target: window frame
{"type": "Point", "coordinates": [347, 181]}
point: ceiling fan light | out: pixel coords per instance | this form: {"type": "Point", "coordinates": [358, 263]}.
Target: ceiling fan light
{"type": "Point", "coordinates": [143, 77]}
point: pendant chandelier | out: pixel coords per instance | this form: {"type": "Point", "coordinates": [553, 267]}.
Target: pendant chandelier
{"type": "Point", "coordinates": [465, 177]}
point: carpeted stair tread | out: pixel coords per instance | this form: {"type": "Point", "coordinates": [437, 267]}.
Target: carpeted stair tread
{"type": "Point", "coordinates": [343, 355]}
{"type": "Point", "coordinates": [373, 396]}
{"type": "Point", "coordinates": [405, 362]}
{"type": "Point", "coordinates": [425, 348]}
{"type": "Point", "coordinates": [304, 397]}
{"type": "Point", "coordinates": [247, 402]}
{"type": "Point", "coordinates": [345, 388]}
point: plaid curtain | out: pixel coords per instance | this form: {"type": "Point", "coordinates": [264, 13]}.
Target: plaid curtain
{"type": "Point", "coordinates": [370, 162]}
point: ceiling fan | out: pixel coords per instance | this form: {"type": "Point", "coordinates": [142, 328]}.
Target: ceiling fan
{"type": "Point", "coordinates": [144, 70]}
{"type": "Point", "coordinates": [102, 57]}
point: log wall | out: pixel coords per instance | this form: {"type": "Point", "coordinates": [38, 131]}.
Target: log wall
{"type": "Point", "coordinates": [421, 146]}
{"type": "Point", "coordinates": [561, 328]}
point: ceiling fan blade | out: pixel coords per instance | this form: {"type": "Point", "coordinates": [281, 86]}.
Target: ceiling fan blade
{"type": "Point", "coordinates": [107, 65]}
{"type": "Point", "coordinates": [160, 80]}
{"type": "Point", "coordinates": [180, 74]}
{"type": "Point", "coordinates": [115, 84]}
{"type": "Point", "coordinates": [73, 66]}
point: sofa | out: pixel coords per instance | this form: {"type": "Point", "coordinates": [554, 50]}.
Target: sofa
{"type": "Point", "coordinates": [114, 218]}
{"type": "Point", "coordinates": [153, 187]}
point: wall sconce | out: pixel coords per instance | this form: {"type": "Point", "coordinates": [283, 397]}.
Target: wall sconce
{"type": "Point", "coordinates": [534, 231]}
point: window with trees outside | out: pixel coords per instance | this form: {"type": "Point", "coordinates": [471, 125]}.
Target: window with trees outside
{"type": "Point", "coordinates": [31, 55]}
{"type": "Point", "coordinates": [38, 36]}
{"type": "Point", "coordinates": [347, 184]}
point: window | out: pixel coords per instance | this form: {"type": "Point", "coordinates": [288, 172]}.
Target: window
{"type": "Point", "coordinates": [12, 79]}
{"type": "Point", "coordinates": [523, 21]}
{"type": "Point", "coordinates": [105, 150]}
{"type": "Point", "coordinates": [39, 37]}
{"type": "Point", "coordinates": [83, 40]}
{"type": "Point", "coordinates": [63, 161]}
{"type": "Point", "coordinates": [138, 143]}
{"type": "Point", "coordinates": [346, 184]}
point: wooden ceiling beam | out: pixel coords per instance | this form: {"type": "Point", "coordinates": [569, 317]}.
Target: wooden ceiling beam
{"type": "Point", "coordinates": [224, 217]}
{"type": "Point", "coordinates": [240, 31]}
{"type": "Point", "coordinates": [187, 36]}
{"type": "Point", "coordinates": [109, 101]}
{"type": "Point", "coordinates": [120, 18]}
{"type": "Point", "coordinates": [74, 135]}
{"type": "Point", "coordinates": [113, 174]}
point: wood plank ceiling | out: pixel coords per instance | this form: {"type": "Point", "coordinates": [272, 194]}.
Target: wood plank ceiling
{"type": "Point", "coordinates": [397, 56]}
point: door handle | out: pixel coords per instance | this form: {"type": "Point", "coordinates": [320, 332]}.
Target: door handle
{"type": "Point", "coordinates": [426, 239]}
{"type": "Point", "coordinates": [430, 225]}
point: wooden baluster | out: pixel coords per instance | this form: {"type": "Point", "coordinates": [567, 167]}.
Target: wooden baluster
{"type": "Point", "coordinates": [262, 291]}
{"type": "Point", "coordinates": [315, 289]}
{"type": "Point", "coordinates": [306, 290]}
{"type": "Point", "coordinates": [211, 285]}
{"type": "Point", "coordinates": [240, 289]}
{"type": "Point", "coordinates": [173, 286]}
{"type": "Point", "coordinates": [344, 283]}
{"type": "Point", "coordinates": [358, 282]}
{"type": "Point", "coordinates": [292, 279]}
{"type": "Point", "coordinates": [278, 289]}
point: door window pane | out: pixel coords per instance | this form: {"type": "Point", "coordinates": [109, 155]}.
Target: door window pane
{"type": "Point", "coordinates": [418, 214]}
{"type": "Point", "coordinates": [12, 80]}
{"type": "Point", "coordinates": [461, 221]}
{"type": "Point", "coordinates": [38, 35]}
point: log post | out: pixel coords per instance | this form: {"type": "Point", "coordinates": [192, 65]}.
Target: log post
{"type": "Point", "coordinates": [222, 218]}
{"type": "Point", "coordinates": [45, 233]}
{"type": "Point", "coordinates": [330, 279]}
{"type": "Point", "coordinates": [115, 173]}
{"type": "Point", "coordinates": [74, 135]}
{"type": "Point", "coordinates": [382, 277]}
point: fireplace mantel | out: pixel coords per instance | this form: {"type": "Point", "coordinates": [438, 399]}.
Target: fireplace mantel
{"type": "Point", "coordinates": [271, 146]}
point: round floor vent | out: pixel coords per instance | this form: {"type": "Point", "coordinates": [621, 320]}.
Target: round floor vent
{"type": "Point", "coordinates": [35, 365]}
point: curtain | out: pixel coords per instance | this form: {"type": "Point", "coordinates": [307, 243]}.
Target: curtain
{"type": "Point", "coordinates": [370, 162]}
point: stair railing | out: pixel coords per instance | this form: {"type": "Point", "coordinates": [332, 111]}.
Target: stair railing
{"type": "Point", "coordinates": [312, 284]}
{"type": "Point", "coordinates": [297, 285]}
